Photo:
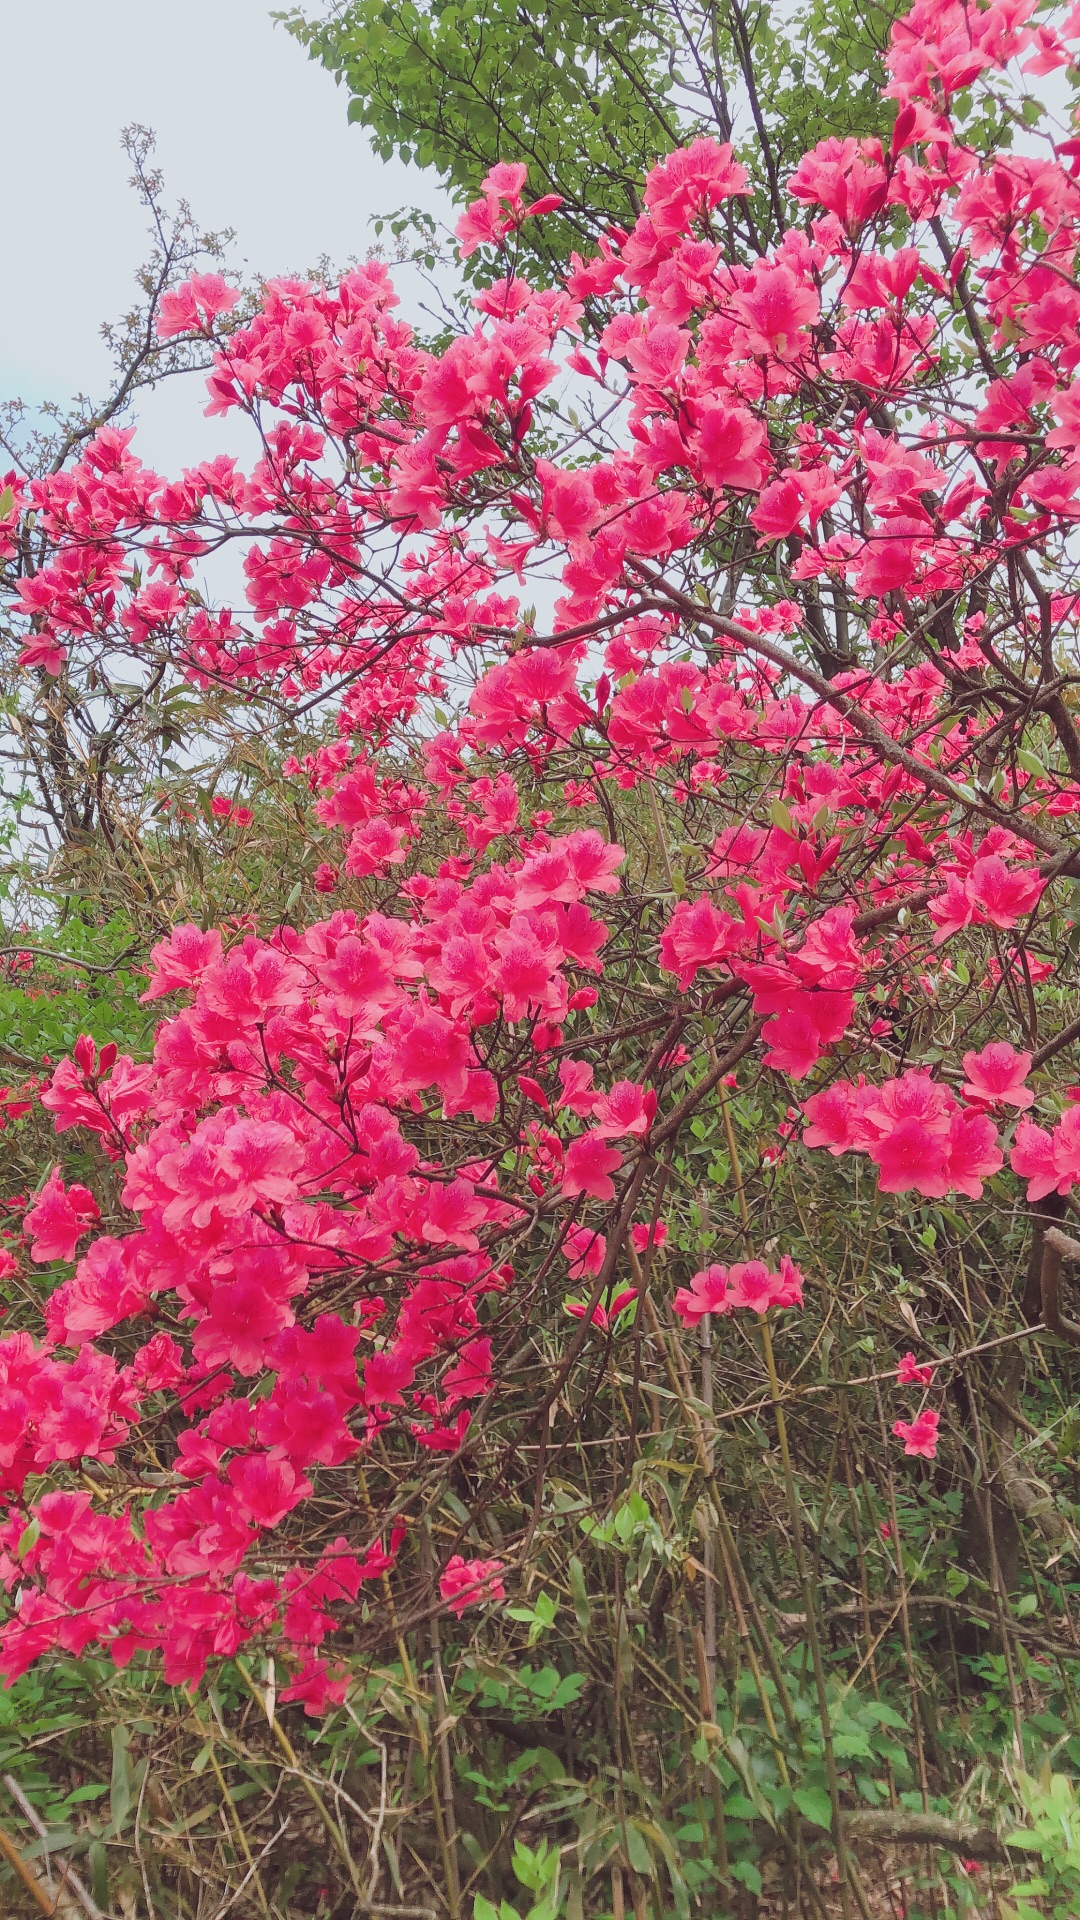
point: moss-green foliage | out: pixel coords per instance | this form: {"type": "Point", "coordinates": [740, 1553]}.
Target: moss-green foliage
{"type": "Point", "coordinates": [590, 96]}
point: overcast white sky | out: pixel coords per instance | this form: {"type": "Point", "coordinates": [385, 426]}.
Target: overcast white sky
{"type": "Point", "coordinates": [250, 132]}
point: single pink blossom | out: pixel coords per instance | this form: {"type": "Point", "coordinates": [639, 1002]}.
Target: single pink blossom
{"type": "Point", "coordinates": [995, 1077]}
{"type": "Point", "coordinates": [468, 1583]}
{"type": "Point", "coordinates": [920, 1436]}
{"type": "Point", "coordinates": [909, 1373]}
{"type": "Point", "coordinates": [603, 1316]}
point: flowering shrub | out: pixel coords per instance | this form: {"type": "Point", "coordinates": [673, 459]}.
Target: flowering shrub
{"type": "Point", "coordinates": [784, 775]}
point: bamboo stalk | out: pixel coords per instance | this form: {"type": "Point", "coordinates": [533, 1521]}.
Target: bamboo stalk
{"type": "Point", "coordinates": [68, 1875]}
{"type": "Point", "coordinates": [26, 1874]}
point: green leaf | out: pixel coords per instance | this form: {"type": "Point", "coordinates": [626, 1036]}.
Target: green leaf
{"type": "Point", "coordinates": [483, 1909]}
{"type": "Point", "coordinates": [120, 1784]}
{"type": "Point", "coordinates": [814, 1805]}
{"type": "Point", "coordinates": [544, 1611]}
{"type": "Point", "coordinates": [956, 1581]}
{"type": "Point", "coordinates": [99, 1873]}
{"type": "Point", "coordinates": [745, 1872]}
{"type": "Point", "coordinates": [568, 1690]}
{"type": "Point", "coordinates": [579, 1594]}
{"type": "Point", "coordinates": [637, 1851]}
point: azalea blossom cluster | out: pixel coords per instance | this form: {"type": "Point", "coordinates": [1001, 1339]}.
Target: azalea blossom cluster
{"type": "Point", "coordinates": [797, 748]}
{"type": "Point", "coordinates": [748, 1283]}
{"type": "Point", "coordinates": [263, 1156]}
{"type": "Point", "coordinates": [914, 1131]}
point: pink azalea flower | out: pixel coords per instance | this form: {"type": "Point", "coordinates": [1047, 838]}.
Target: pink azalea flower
{"type": "Point", "coordinates": [909, 1373]}
{"type": "Point", "coordinates": [920, 1436]}
{"type": "Point", "coordinates": [588, 1167]}
{"type": "Point", "coordinates": [751, 1285]}
{"type": "Point", "coordinates": [603, 1316]}
{"type": "Point", "coordinates": [58, 1218]}
{"type": "Point", "coordinates": [585, 1251]}
{"type": "Point", "coordinates": [469, 1583]}
{"type": "Point", "coordinates": [642, 1236]}
{"type": "Point", "coordinates": [707, 1293]}
{"type": "Point", "coordinates": [995, 1077]}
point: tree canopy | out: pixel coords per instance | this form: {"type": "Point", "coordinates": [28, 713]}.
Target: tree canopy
{"type": "Point", "coordinates": [591, 96]}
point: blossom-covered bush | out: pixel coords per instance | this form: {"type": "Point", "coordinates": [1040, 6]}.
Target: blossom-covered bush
{"type": "Point", "coordinates": [783, 775]}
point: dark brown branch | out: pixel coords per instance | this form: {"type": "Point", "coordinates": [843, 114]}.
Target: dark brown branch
{"type": "Point", "coordinates": [1063, 1039]}
{"type": "Point", "coordinates": [849, 709]}
{"type": "Point", "coordinates": [68, 959]}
